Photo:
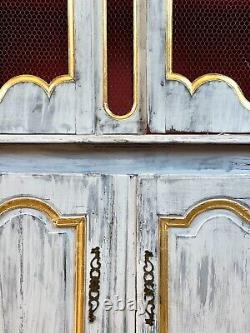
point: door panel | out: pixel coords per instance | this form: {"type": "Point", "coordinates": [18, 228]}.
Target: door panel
{"type": "Point", "coordinates": [42, 268]}
{"type": "Point", "coordinates": [54, 278]}
{"type": "Point", "coordinates": [37, 274]}
{"type": "Point", "coordinates": [199, 242]}
{"type": "Point", "coordinates": [212, 99]}
{"type": "Point", "coordinates": [63, 102]}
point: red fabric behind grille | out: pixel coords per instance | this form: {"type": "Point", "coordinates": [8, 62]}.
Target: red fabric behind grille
{"type": "Point", "coordinates": [212, 36]}
{"type": "Point", "coordinates": [120, 55]}
{"type": "Point", "coordinates": [34, 38]}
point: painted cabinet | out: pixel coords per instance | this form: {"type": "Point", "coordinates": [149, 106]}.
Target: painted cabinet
{"type": "Point", "coordinates": [108, 246]}
{"type": "Point", "coordinates": [137, 67]}
{"type": "Point", "coordinates": [116, 213]}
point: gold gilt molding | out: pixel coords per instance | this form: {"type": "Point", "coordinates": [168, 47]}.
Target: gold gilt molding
{"type": "Point", "coordinates": [135, 64]}
{"type": "Point", "coordinates": [197, 83]}
{"type": "Point", "coordinates": [49, 87]}
{"type": "Point", "coordinates": [184, 222]}
{"type": "Point", "coordinates": [79, 223]}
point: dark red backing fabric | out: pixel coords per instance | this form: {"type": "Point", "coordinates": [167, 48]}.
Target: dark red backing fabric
{"type": "Point", "coordinates": [212, 36]}
{"type": "Point", "coordinates": [120, 55]}
{"type": "Point", "coordinates": [33, 38]}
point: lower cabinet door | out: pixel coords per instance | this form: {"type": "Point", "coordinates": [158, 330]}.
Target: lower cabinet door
{"type": "Point", "coordinates": [67, 253]}
{"type": "Point", "coordinates": [114, 254]}
{"type": "Point", "coordinates": [194, 254]}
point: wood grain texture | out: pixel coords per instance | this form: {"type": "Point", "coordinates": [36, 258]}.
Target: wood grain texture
{"type": "Point", "coordinates": [219, 236]}
{"type": "Point", "coordinates": [109, 202]}
{"type": "Point", "coordinates": [124, 139]}
{"type": "Point", "coordinates": [26, 107]}
{"type": "Point", "coordinates": [214, 108]}
{"type": "Point", "coordinates": [209, 275]}
{"type": "Point", "coordinates": [117, 160]}
{"type": "Point", "coordinates": [112, 226]}
{"type": "Point", "coordinates": [36, 274]}
{"type": "Point", "coordinates": [147, 240]}
{"type": "Point", "coordinates": [123, 217]}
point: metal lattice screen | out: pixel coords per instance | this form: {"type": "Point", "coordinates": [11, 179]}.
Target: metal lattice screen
{"type": "Point", "coordinates": [212, 36]}
{"type": "Point", "coordinates": [34, 38]}
{"type": "Point", "coordinates": [120, 34]}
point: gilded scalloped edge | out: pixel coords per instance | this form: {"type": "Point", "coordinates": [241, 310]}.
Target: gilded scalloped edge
{"type": "Point", "coordinates": [200, 81]}
{"type": "Point", "coordinates": [105, 65]}
{"type": "Point", "coordinates": [50, 87]}
{"type": "Point", "coordinates": [47, 87]}
{"type": "Point", "coordinates": [227, 204]}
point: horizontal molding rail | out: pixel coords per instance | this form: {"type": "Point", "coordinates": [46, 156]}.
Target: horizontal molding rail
{"type": "Point", "coordinates": [243, 139]}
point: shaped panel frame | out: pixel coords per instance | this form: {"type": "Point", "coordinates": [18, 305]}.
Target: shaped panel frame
{"type": "Point", "coordinates": [198, 82]}
{"type": "Point", "coordinates": [184, 222]}
{"type": "Point", "coordinates": [49, 87]}
{"type": "Point", "coordinates": [76, 222]}
{"type": "Point", "coordinates": [135, 63]}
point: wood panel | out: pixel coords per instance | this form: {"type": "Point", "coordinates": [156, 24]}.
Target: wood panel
{"type": "Point", "coordinates": [109, 203]}
{"type": "Point", "coordinates": [214, 108]}
{"type": "Point", "coordinates": [208, 276]}
{"type": "Point", "coordinates": [37, 274]}
{"type": "Point", "coordinates": [206, 281]}
{"type": "Point", "coordinates": [27, 109]}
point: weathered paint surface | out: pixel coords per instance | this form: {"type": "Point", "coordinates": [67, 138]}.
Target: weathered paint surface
{"type": "Point", "coordinates": [36, 274]}
{"type": "Point", "coordinates": [208, 263]}
{"type": "Point", "coordinates": [27, 109]}
{"type": "Point", "coordinates": [214, 108]}
{"type": "Point", "coordinates": [32, 257]}
{"type": "Point", "coordinates": [209, 275]}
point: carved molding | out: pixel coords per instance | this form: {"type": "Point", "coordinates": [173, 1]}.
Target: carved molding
{"type": "Point", "coordinates": [49, 87]}
{"type": "Point", "coordinates": [184, 222]}
{"type": "Point", "coordinates": [227, 204]}
{"type": "Point", "coordinates": [61, 222]}
{"type": "Point", "coordinates": [135, 64]}
{"type": "Point", "coordinates": [200, 81]}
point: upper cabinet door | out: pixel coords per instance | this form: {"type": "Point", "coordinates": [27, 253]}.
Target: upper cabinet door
{"type": "Point", "coordinates": [198, 66]}
{"type": "Point", "coordinates": [46, 66]}
{"type": "Point", "coordinates": [72, 66]}
{"type": "Point", "coordinates": [120, 80]}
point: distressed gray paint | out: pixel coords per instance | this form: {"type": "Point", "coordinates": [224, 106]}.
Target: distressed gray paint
{"type": "Point", "coordinates": [169, 159]}
{"type": "Point", "coordinates": [36, 274]}
{"type": "Point", "coordinates": [214, 249]}
{"type": "Point", "coordinates": [209, 290]}
{"type": "Point", "coordinates": [109, 203]}
{"type": "Point", "coordinates": [215, 108]}
{"type": "Point", "coordinates": [123, 210]}
{"type": "Point", "coordinates": [70, 110]}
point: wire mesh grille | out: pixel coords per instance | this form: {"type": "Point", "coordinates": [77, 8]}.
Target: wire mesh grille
{"type": "Point", "coordinates": [212, 36]}
{"type": "Point", "coordinates": [34, 38]}
{"type": "Point", "coordinates": [120, 52]}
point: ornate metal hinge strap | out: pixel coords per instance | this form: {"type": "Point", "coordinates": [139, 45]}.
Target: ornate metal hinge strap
{"type": "Point", "coordinates": [94, 284]}
{"type": "Point", "coordinates": [149, 289]}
